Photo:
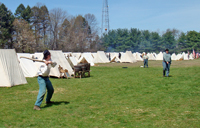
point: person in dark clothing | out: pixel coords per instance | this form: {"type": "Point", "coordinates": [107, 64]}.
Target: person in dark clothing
{"type": "Point", "coordinates": [119, 55]}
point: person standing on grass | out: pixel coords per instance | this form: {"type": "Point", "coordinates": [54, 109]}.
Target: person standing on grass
{"type": "Point", "coordinates": [44, 82]}
{"type": "Point", "coordinates": [119, 55]}
{"type": "Point", "coordinates": [166, 63]}
{"type": "Point", "coordinates": [145, 60]}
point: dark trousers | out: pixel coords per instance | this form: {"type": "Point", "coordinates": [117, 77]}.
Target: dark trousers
{"type": "Point", "coordinates": [146, 62]}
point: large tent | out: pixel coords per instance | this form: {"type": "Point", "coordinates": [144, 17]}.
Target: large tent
{"type": "Point", "coordinates": [72, 61]}
{"type": "Point", "coordinates": [38, 55]}
{"type": "Point", "coordinates": [58, 57]}
{"type": "Point", "coordinates": [128, 57]}
{"type": "Point", "coordinates": [28, 67]}
{"type": "Point", "coordinates": [11, 73]}
{"type": "Point", "coordinates": [100, 57]}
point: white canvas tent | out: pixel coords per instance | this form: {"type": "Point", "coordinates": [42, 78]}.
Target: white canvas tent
{"type": "Point", "coordinates": [159, 56]}
{"type": "Point", "coordinates": [11, 73]}
{"type": "Point", "coordinates": [72, 61]}
{"type": "Point", "coordinates": [191, 56]}
{"type": "Point", "coordinates": [128, 57]}
{"type": "Point", "coordinates": [179, 57]}
{"type": "Point", "coordinates": [185, 56]}
{"type": "Point", "coordinates": [28, 67]}
{"type": "Point", "coordinates": [77, 55]}
{"type": "Point", "coordinates": [137, 55]}
{"type": "Point", "coordinates": [151, 56]}
{"type": "Point", "coordinates": [173, 57]}
{"type": "Point", "coordinates": [114, 57]}
{"type": "Point", "coordinates": [38, 55]}
{"type": "Point", "coordinates": [86, 57]}
{"type": "Point", "coordinates": [100, 57]}
{"type": "Point", "coordinates": [58, 57]}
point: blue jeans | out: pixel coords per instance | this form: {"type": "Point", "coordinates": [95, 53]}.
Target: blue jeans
{"type": "Point", "coordinates": [166, 68]}
{"type": "Point", "coordinates": [146, 62]}
{"type": "Point", "coordinates": [44, 83]}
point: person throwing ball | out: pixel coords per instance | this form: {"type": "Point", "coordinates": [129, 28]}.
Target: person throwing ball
{"type": "Point", "coordinates": [166, 63]}
{"type": "Point", "coordinates": [44, 82]}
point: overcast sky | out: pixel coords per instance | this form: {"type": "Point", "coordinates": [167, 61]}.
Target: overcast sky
{"type": "Point", "coordinates": [153, 15]}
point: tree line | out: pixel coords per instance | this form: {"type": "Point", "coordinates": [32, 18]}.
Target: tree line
{"type": "Point", "coordinates": [137, 40]}
{"type": "Point", "coordinates": [36, 29]}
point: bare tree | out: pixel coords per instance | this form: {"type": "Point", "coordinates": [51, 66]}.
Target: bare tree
{"type": "Point", "coordinates": [92, 22]}
{"type": "Point", "coordinates": [57, 17]}
{"type": "Point", "coordinates": [93, 38]}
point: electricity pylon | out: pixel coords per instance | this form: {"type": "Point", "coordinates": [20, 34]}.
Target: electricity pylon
{"type": "Point", "coordinates": [105, 18]}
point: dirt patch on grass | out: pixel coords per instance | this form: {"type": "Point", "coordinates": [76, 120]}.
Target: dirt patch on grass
{"type": "Point", "coordinates": [56, 90]}
{"type": "Point", "coordinates": [59, 90]}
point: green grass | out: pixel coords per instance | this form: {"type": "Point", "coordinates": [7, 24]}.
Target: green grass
{"type": "Point", "coordinates": [112, 97]}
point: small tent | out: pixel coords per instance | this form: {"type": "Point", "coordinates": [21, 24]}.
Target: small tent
{"type": "Point", "coordinates": [185, 56]}
{"type": "Point", "coordinates": [173, 57]}
{"type": "Point", "coordinates": [191, 56]}
{"type": "Point", "coordinates": [100, 57]}
{"type": "Point", "coordinates": [179, 57]}
{"type": "Point", "coordinates": [77, 55]}
{"type": "Point", "coordinates": [114, 57]}
{"type": "Point", "coordinates": [11, 73]}
{"type": "Point", "coordinates": [159, 56]}
{"type": "Point", "coordinates": [86, 58]}
{"type": "Point", "coordinates": [128, 57]}
{"type": "Point", "coordinates": [151, 56]}
{"type": "Point", "coordinates": [138, 55]}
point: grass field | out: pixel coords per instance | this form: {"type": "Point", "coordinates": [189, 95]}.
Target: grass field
{"type": "Point", "coordinates": [112, 97]}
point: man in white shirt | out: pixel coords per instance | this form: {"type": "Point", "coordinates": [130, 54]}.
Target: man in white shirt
{"type": "Point", "coordinates": [44, 82]}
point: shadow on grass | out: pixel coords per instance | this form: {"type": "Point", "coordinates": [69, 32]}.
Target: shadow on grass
{"type": "Point", "coordinates": [168, 76]}
{"type": "Point", "coordinates": [56, 103]}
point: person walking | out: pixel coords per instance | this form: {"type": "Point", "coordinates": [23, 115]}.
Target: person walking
{"type": "Point", "coordinates": [44, 82]}
{"type": "Point", "coordinates": [166, 63]}
{"type": "Point", "coordinates": [145, 60]}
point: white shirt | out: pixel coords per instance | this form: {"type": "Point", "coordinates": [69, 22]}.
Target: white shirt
{"type": "Point", "coordinates": [44, 69]}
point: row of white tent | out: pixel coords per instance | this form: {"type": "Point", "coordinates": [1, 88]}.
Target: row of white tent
{"type": "Point", "coordinates": [14, 69]}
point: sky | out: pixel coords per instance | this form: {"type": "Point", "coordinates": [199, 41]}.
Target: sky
{"type": "Point", "coordinates": [152, 15]}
